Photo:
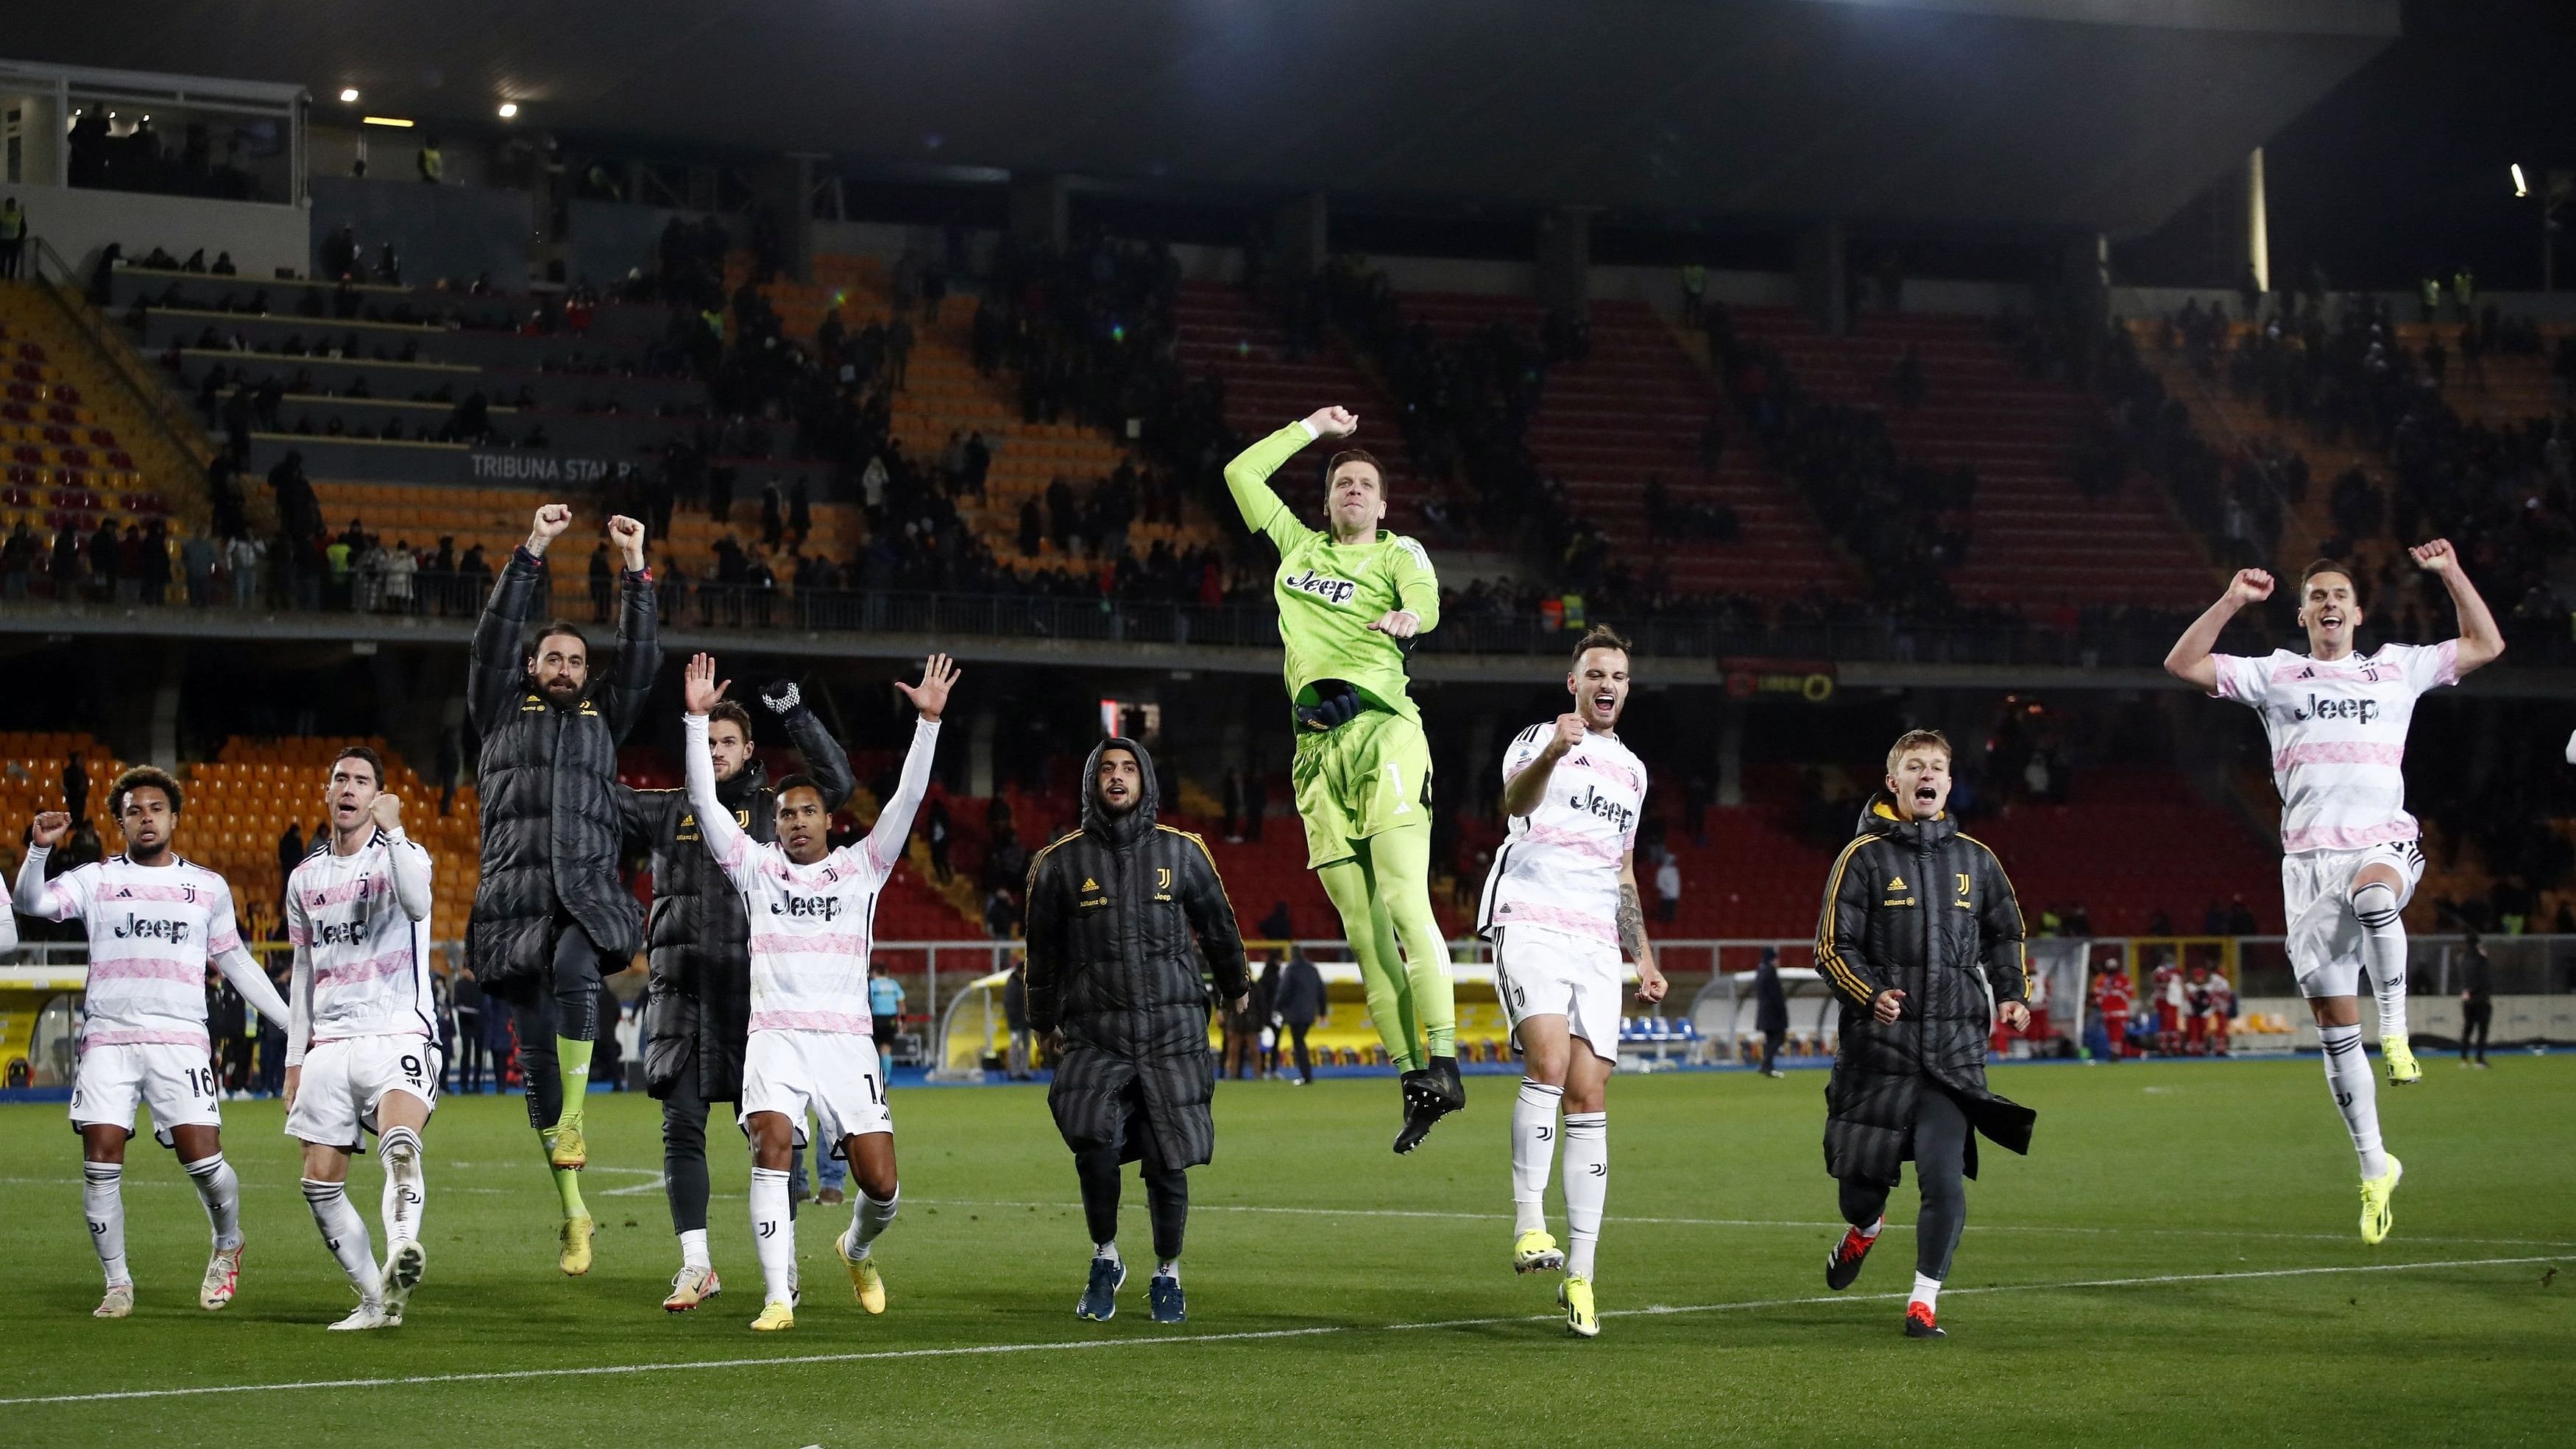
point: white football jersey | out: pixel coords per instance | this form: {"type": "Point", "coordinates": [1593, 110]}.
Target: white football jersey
{"type": "Point", "coordinates": [152, 930]}
{"type": "Point", "coordinates": [811, 925]}
{"type": "Point", "coordinates": [368, 960]}
{"type": "Point", "coordinates": [2338, 733]}
{"type": "Point", "coordinates": [1559, 866]}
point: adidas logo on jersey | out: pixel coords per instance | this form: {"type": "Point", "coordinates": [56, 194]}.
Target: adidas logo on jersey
{"type": "Point", "coordinates": [1323, 586]}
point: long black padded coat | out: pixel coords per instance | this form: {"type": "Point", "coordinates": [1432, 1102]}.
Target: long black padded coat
{"type": "Point", "coordinates": [697, 997]}
{"type": "Point", "coordinates": [1916, 906]}
{"type": "Point", "coordinates": [548, 780]}
{"type": "Point", "coordinates": [1113, 909]}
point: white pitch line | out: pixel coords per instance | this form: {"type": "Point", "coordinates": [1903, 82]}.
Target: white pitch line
{"type": "Point", "coordinates": [1322, 1330]}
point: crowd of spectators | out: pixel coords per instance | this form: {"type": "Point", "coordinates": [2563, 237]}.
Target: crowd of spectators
{"type": "Point", "coordinates": [140, 159]}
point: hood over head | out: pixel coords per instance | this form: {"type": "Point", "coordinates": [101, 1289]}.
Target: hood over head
{"type": "Point", "coordinates": [1096, 819]}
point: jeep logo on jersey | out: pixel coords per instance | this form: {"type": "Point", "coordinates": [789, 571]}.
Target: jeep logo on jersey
{"type": "Point", "coordinates": [137, 928]}
{"type": "Point", "coordinates": [825, 907]}
{"type": "Point", "coordinates": [1323, 586]}
{"type": "Point", "coordinates": [1593, 802]}
{"type": "Point", "coordinates": [343, 933]}
{"type": "Point", "coordinates": [2359, 711]}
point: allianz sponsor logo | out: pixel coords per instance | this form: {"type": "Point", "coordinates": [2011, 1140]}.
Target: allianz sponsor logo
{"type": "Point", "coordinates": [1331, 590]}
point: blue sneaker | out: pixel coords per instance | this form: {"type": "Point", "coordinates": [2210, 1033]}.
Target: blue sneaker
{"type": "Point", "coordinates": [1163, 1295]}
{"type": "Point", "coordinates": [1099, 1301]}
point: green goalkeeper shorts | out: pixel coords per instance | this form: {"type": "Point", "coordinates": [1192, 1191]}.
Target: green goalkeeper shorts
{"type": "Point", "coordinates": [1371, 775]}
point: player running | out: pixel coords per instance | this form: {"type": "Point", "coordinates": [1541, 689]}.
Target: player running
{"type": "Point", "coordinates": [155, 920]}
{"type": "Point", "coordinates": [812, 1044]}
{"type": "Point", "coordinates": [1560, 906]}
{"type": "Point", "coordinates": [1350, 600]}
{"type": "Point", "coordinates": [2337, 723]}
{"type": "Point", "coordinates": [361, 1048]}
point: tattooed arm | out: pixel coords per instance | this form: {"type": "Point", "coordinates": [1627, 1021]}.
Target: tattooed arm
{"type": "Point", "coordinates": [1632, 934]}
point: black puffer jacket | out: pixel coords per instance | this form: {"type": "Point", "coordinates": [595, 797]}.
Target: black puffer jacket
{"type": "Point", "coordinates": [697, 1001]}
{"type": "Point", "coordinates": [548, 778]}
{"type": "Point", "coordinates": [1916, 906]}
{"type": "Point", "coordinates": [1113, 909]}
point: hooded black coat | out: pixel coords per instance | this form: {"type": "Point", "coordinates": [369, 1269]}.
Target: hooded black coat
{"type": "Point", "coordinates": [548, 780]}
{"type": "Point", "coordinates": [697, 999]}
{"type": "Point", "coordinates": [1113, 909]}
{"type": "Point", "coordinates": [1916, 906]}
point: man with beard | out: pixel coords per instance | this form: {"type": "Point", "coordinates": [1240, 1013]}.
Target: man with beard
{"type": "Point", "coordinates": [1112, 978]}
{"type": "Point", "coordinates": [550, 914]}
{"type": "Point", "coordinates": [697, 1012]}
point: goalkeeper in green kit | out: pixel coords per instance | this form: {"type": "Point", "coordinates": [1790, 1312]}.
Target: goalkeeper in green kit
{"type": "Point", "coordinates": [1350, 600]}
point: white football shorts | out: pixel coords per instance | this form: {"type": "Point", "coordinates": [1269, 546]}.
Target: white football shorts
{"type": "Point", "coordinates": [177, 1081]}
{"type": "Point", "coordinates": [833, 1072]}
{"type": "Point", "coordinates": [2316, 900]}
{"type": "Point", "coordinates": [344, 1081]}
{"type": "Point", "coordinates": [1539, 972]}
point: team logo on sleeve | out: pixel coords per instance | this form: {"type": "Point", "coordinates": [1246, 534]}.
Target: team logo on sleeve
{"type": "Point", "coordinates": [1331, 590]}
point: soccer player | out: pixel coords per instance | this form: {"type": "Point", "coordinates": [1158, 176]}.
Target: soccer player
{"type": "Point", "coordinates": [1561, 907]}
{"type": "Point", "coordinates": [2222, 1010]}
{"type": "Point", "coordinates": [1919, 924]}
{"type": "Point", "coordinates": [155, 919]}
{"type": "Point", "coordinates": [1350, 600]}
{"type": "Point", "coordinates": [2337, 723]}
{"type": "Point", "coordinates": [551, 914]}
{"type": "Point", "coordinates": [812, 908]}
{"type": "Point", "coordinates": [362, 1044]}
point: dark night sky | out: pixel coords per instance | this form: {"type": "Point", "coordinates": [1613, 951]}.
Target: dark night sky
{"type": "Point", "coordinates": [2403, 167]}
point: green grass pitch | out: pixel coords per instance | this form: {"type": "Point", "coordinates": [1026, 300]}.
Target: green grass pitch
{"type": "Point", "coordinates": [2177, 1259]}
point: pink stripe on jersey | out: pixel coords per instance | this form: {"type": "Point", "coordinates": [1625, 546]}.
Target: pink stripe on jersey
{"type": "Point", "coordinates": [833, 1021]}
{"type": "Point", "coordinates": [297, 935]}
{"type": "Point", "coordinates": [347, 890]}
{"type": "Point", "coordinates": [226, 939]}
{"type": "Point", "coordinates": [60, 897]}
{"type": "Point", "coordinates": [824, 945]}
{"type": "Point", "coordinates": [389, 964]}
{"type": "Point", "coordinates": [2337, 837]}
{"type": "Point", "coordinates": [2339, 752]}
{"type": "Point", "coordinates": [1606, 770]}
{"type": "Point", "coordinates": [145, 968]}
{"type": "Point", "coordinates": [198, 1040]}
{"type": "Point", "coordinates": [2449, 651]}
{"type": "Point", "coordinates": [1575, 840]}
{"type": "Point", "coordinates": [1557, 918]}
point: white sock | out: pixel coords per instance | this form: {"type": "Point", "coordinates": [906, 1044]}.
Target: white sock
{"type": "Point", "coordinates": [1168, 1268]}
{"type": "Point", "coordinates": [406, 1190]}
{"type": "Point", "coordinates": [344, 1233]}
{"type": "Point", "coordinates": [1870, 1234]}
{"type": "Point", "coordinates": [1533, 1152]}
{"type": "Point", "coordinates": [1587, 1186]}
{"type": "Point", "coordinates": [103, 1201]}
{"type": "Point", "coordinates": [869, 1218]}
{"type": "Point", "coordinates": [220, 1187]}
{"type": "Point", "coordinates": [1927, 1291]}
{"type": "Point", "coordinates": [2356, 1093]}
{"type": "Point", "coordinates": [693, 1249]}
{"type": "Point", "coordinates": [1108, 1251]}
{"type": "Point", "coordinates": [773, 1232]}
{"type": "Point", "coordinates": [2383, 953]}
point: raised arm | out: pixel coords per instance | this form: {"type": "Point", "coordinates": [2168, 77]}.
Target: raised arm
{"type": "Point", "coordinates": [1248, 476]}
{"type": "Point", "coordinates": [1533, 760]}
{"type": "Point", "coordinates": [724, 839]}
{"type": "Point", "coordinates": [496, 663]}
{"type": "Point", "coordinates": [825, 760]}
{"type": "Point", "coordinates": [2480, 640]}
{"type": "Point", "coordinates": [409, 862]}
{"type": "Point", "coordinates": [894, 823]}
{"type": "Point", "coordinates": [2190, 659]}
{"type": "Point", "coordinates": [639, 633]}
{"type": "Point", "coordinates": [31, 894]}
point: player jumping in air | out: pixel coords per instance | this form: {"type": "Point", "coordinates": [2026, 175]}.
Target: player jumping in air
{"type": "Point", "coordinates": [154, 921]}
{"type": "Point", "coordinates": [2349, 856]}
{"type": "Point", "coordinates": [362, 1047]}
{"type": "Point", "coordinates": [1561, 906]}
{"type": "Point", "coordinates": [1349, 600]}
{"type": "Point", "coordinates": [812, 1045]}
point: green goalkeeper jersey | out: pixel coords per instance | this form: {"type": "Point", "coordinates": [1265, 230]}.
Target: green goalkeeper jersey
{"type": "Point", "coordinates": [1329, 593]}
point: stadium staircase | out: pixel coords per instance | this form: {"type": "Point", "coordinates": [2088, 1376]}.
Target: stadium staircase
{"type": "Point", "coordinates": [2033, 538]}
{"type": "Point", "coordinates": [79, 446]}
{"type": "Point", "coordinates": [1633, 410]}
{"type": "Point", "coordinates": [944, 394]}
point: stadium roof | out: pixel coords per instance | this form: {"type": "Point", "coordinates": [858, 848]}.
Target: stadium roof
{"type": "Point", "coordinates": [2092, 114]}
